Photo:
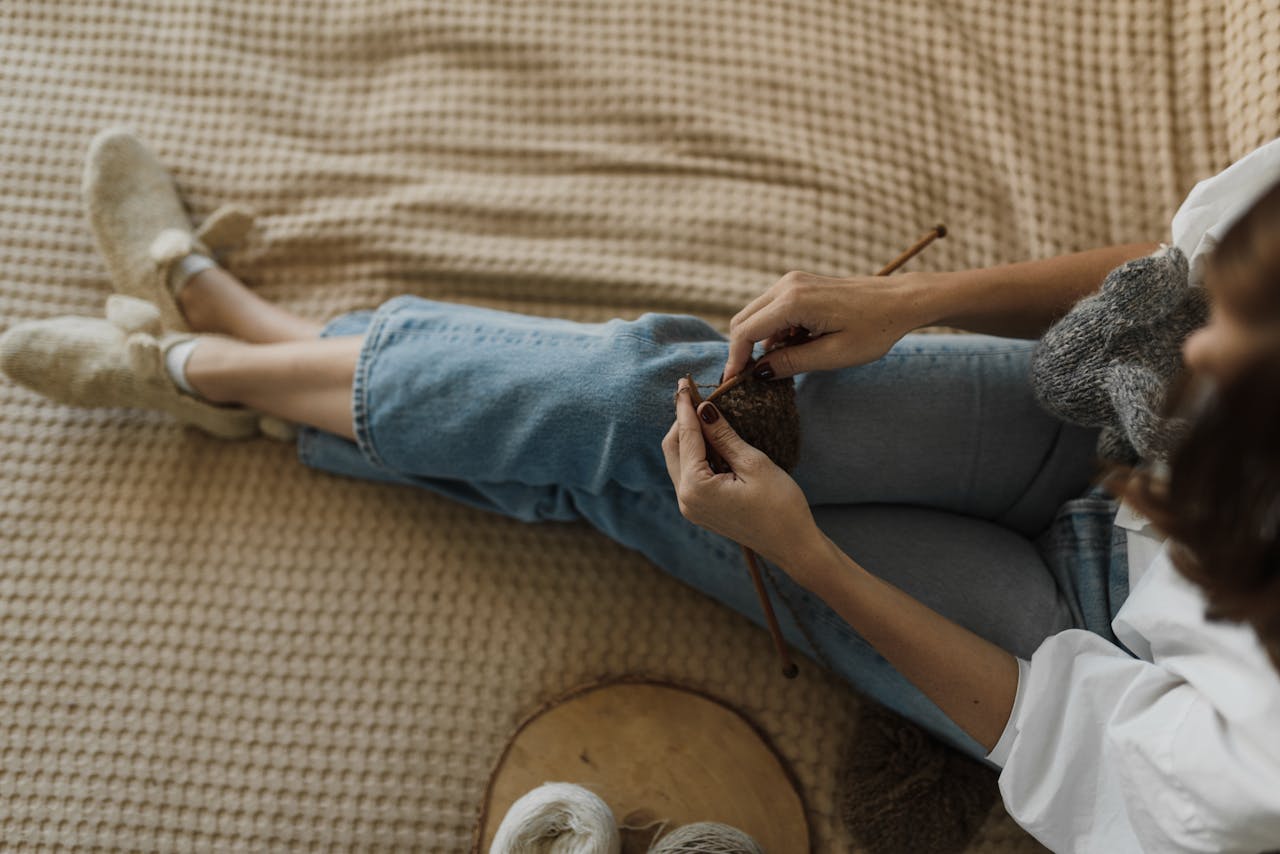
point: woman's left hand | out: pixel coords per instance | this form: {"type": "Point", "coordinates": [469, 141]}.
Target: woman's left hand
{"type": "Point", "coordinates": [756, 504]}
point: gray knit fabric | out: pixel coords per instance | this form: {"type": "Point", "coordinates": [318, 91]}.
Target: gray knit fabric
{"type": "Point", "coordinates": [1109, 361]}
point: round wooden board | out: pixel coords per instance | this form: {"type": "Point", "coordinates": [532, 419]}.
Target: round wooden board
{"type": "Point", "coordinates": [653, 752]}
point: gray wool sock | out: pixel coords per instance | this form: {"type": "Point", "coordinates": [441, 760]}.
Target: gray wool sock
{"type": "Point", "coordinates": [1109, 361]}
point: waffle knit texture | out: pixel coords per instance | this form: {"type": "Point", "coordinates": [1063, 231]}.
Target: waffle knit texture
{"type": "Point", "coordinates": [1109, 361]}
{"type": "Point", "coordinates": [208, 647]}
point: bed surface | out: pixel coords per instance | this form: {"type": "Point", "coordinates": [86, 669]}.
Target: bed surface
{"type": "Point", "coordinates": [204, 646]}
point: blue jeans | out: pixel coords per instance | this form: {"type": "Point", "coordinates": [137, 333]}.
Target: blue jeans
{"type": "Point", "coordinates": [933, 467]}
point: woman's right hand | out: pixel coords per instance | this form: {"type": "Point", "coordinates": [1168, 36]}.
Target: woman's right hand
{"type": "Point", "coordinates": [850, 322]}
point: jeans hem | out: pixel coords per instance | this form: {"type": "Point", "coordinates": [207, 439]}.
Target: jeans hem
{"type": "Point", "coordinates": [309, 438]}
{"type": "Point", "coordinates": [361, 420]}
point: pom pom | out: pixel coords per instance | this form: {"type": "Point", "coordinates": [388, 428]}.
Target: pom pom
{"type": "Point", "coordinates": [170, 245]}
{"type": "Point", "coordinates": [131, 314]}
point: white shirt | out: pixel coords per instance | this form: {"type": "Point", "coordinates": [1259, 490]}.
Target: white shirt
{"type": "Point", "coordinates": [1177, 749]}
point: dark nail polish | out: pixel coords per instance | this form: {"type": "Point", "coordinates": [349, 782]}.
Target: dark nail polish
{"type": "Point", "coordinates": [763, 371]}
{"type": "Point", "coordinates": [709, 413]}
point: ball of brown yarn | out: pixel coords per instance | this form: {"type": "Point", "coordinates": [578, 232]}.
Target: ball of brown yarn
{"type": "Point", "coordinates": [764, 414]}
{"type": "Point", "coordinates": [903, 790]}
{"type": "Point", "coordinates": [706, 837]}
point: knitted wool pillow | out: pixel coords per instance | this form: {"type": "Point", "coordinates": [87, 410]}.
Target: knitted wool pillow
{"type": "Point", "coordinates": [1109, 361]}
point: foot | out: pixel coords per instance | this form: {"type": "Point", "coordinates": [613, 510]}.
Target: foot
{"type": "Point", "coordinates": [141, 226]}
{"type": "Point", "coordinates": [116, 362]}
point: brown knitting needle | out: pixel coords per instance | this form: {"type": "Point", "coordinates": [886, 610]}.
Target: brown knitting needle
{"type": "Point", "coordinates": [789, 668]}
{"type": "Point", "coordinates": [799, 335]}
{"type": "Point", "coordinates": [718, 465]}
{"type": "Point", "coordinates": [939, 230]}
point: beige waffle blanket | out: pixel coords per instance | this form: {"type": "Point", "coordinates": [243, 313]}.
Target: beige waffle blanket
{"type": "Point", "coordinates": [204, 646]}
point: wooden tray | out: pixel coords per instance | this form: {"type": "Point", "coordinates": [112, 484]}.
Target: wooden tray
{"type": "Point", "coordinates": [653, 752]}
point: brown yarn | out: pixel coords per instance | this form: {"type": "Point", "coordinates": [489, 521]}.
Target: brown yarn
{"type": "Point", "coordinates": [892, 767]}
{"type": "Point", "coordinates": [764, 414]}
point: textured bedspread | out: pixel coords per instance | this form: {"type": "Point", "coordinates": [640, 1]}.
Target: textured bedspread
{"type": "Point", "coordinates": [204, 646]}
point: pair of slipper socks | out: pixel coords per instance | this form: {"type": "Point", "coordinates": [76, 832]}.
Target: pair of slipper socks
{"type": "Point", "coordinates": [142, 231]}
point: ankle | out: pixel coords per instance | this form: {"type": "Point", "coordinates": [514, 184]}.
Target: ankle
{"type": "Point", "coordinates": [211, 368]}
{"type": "Point", "coordinates": [213, 300]}
{"type": "Point", "coordinates": [175, 363]}
{"type": "Point", "coordinates": [198, 304]}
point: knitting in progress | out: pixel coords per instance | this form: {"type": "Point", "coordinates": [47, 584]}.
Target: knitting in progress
{"type": "Point", "coordinates": [764, 414]}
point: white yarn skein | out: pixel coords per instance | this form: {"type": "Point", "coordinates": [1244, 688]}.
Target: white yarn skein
{"type": "Point", "coordinates": [558, 818]}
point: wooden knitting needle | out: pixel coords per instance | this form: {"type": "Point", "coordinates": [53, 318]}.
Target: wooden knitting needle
{"type": "Point", "coordinates": [799, 334]}
{"type": "Point", "coordinates": [938, 230]}
{"type": "Point", "coordinates": [789, 668]}
{"type": "Point", "coordinates": [718, 465]}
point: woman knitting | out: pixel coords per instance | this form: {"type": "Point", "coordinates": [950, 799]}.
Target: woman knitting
{"type": "Point", "coordinates": [1122, 669]}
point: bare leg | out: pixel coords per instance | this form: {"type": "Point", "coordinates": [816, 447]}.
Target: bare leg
{"type": "Point", "coordinates": [216, 301]}
{"type": "Point", "coordinates": [283, 368]}
{"type": "Point", "coordinates": [305, 381]}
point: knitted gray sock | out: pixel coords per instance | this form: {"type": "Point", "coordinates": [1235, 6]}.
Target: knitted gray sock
{"type": "Point", "coordinates": [1109, 361]}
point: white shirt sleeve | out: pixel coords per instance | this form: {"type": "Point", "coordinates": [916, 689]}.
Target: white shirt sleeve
{"type": "Point", "coordinates": [999, 754]}
{"type": "Point", "coordinates": [1176, 749]}
{"type": "Point", "coordinates": [1216, 203]}
{"type": "Point", "coordinates": [1107, 752]}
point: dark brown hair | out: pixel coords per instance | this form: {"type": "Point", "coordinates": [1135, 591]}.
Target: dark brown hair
{"type": "Point", "coordinates": [1219, 501]}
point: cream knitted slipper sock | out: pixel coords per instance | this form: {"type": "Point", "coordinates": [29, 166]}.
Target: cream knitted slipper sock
{"type": "Point", "coordinates": [116, 362]}
{"type": "Point", "coordinates": [141, 227]}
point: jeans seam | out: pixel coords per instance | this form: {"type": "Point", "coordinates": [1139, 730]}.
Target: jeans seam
{"type": "Point", "coordinates": [361, 422]}
{"type": "Point", "coordinates": [634, 337]}
{"type": "Point", "coordinates": [915, 349]}
{"type": "Point", "coordinates": [412, 330]}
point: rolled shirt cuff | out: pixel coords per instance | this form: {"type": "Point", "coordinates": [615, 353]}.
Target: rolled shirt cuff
{"type": "Point", "coordinates": [1000, 753]}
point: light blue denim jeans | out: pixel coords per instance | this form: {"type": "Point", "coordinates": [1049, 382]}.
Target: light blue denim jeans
{"type": "Point", "coordinates": [933, 467]}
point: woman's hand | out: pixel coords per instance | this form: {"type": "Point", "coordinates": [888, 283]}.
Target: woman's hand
{"type": "Point", "coordinates": [853, 321]}
{"type": "Point", "coordinates": [756, 504]}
